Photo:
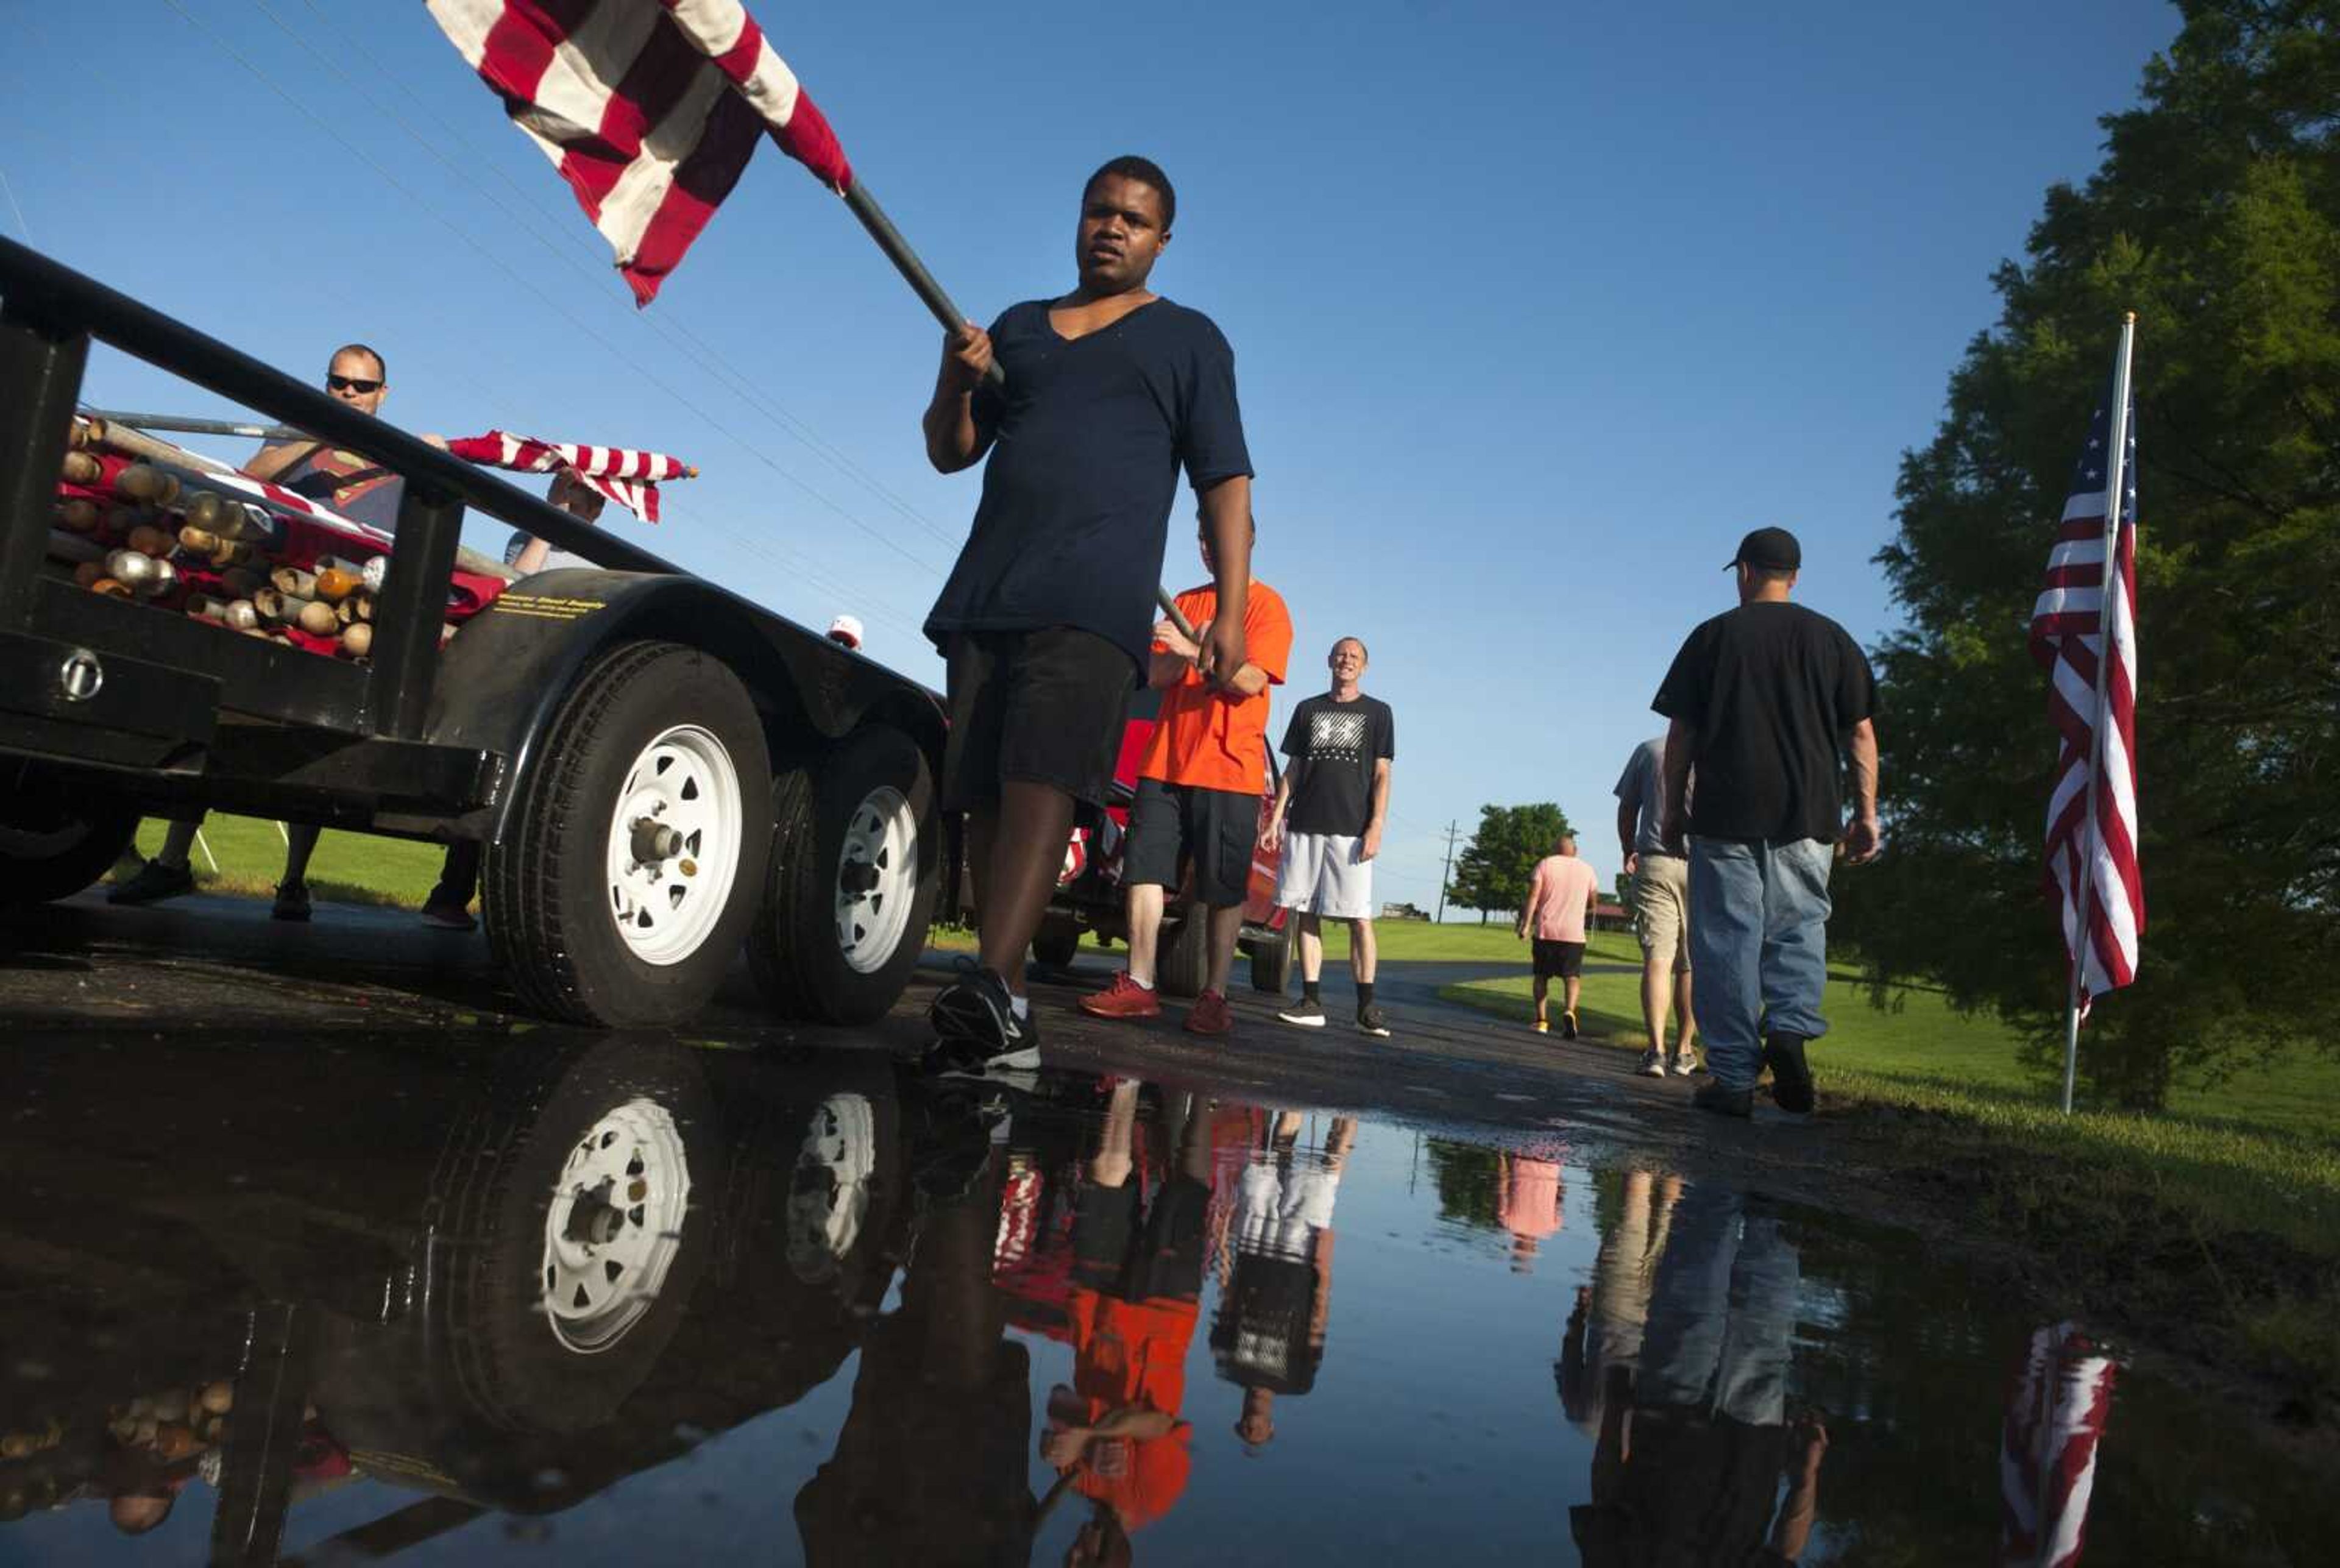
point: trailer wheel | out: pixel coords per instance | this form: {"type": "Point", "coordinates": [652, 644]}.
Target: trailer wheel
{"type": "Point", "coordinates": [1271, 959]}
{"type": "Point", "coordinates": [1185, 956]}
{"type": "Point", "coordinates": [57, 839]}
{"type": "Point", "coordinates": [618, 893]}
{"type": "Point", "coordinates": [857, 846]}
{"type": "Point", "coordinates": [1057, 942]}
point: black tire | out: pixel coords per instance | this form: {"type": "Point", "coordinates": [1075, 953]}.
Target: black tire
{"type": "Point", "coordinates": [516, 1363]}
{"type": "Point", "coordinates": [796, 945]}
{"type": "Point", "coordinates": [1057, 943]}
{"type": "Point", "coordinates": [1184, 960]}
{"type": "Point", "coordinates": [1271, 960]}
{"type": "Point", "coordinates": [57, 837]}
{"type": "Point", "coordinates": [548, 906]}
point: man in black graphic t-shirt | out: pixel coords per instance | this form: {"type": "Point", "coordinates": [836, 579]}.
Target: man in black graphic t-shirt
{"type": "Point", "coordinates": [1046, 621]}
{"type": "Point", "coordinates": [1336, 789]}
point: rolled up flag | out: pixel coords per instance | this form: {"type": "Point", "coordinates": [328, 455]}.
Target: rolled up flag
{"type": "Point", "coordinates": [623, 474]}
{"type": "Point", "coordinates": [650, 110]}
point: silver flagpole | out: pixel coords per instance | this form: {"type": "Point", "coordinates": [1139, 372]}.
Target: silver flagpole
{"type": "Point", "coordinates": [2116, 490]}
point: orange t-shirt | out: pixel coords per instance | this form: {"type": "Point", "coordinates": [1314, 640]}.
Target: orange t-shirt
{"type": "Point", "coordinates": [1134, 1354]}
{"type": "Point", "coordinates": [1211, 740]}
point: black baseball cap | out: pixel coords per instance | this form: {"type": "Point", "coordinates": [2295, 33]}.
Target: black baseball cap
{"type": "Point", "coordinates": [1770, 548]}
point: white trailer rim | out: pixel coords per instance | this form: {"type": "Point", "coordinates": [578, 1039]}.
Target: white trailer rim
{"type": "Point", "coordinates": [667, 896]}
{"type": "Point", "coordinates": [877, 880]}
{"type": "Point", "coordinates": [614, 1226]}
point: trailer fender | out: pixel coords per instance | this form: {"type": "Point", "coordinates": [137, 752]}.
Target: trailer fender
{"type": "Point", "coordinates": [503, 677]}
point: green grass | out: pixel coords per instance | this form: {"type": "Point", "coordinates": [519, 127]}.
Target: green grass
{"type": "Point", "coordinates": [245, 855]}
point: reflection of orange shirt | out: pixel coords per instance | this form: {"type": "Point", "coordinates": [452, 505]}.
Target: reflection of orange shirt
{"type": "Point", "coordinates": [1125, 1354]}
{"type": "Point", "coordinates": [1219, 741]}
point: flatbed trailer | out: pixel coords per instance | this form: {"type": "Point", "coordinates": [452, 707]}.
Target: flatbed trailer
{"type": "Point", "coordinates": [656, 769]}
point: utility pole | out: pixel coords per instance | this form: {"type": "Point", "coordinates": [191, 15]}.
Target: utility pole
{"type": "Point", "coordinates": [1452, 830]}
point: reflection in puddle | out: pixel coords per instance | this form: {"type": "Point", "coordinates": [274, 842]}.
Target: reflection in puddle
{"type": "Point", "coordinates": [642, 1304]}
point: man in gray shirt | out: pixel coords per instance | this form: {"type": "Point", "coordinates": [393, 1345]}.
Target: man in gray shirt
{"type": "Point", "coordinates": [1661, 902]}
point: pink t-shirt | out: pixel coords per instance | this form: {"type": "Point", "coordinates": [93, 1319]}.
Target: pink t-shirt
{"type": "Point", "coordinates": [1557, 897]}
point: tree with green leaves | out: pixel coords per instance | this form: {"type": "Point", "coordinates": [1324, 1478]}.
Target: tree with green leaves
{"type": "Point", "coordinates": [2215, 217]}
{"type": "Point", "coordinates": [1494, 869]}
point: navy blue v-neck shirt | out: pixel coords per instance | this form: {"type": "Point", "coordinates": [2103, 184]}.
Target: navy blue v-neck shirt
{"type": "Point", "coordinates": [1087, 438]}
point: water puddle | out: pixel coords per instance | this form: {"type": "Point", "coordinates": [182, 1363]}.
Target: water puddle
{"type": "Point", "coordinates": [632, 1303]}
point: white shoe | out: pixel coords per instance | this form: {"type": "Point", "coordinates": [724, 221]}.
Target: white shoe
{"type": "Point", "coordinates": [1653, 1064]}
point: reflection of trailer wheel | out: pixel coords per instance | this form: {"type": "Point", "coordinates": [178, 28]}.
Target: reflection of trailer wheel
{"type": "Point", "coordinates": [1057, 942]}
{"type": "Point", "coordinates": [857, 846]}
{"type": "Point", "coordinates": [1271, 959]}
{"type": "Point", "coordinates": [1185, 955]}
{"type": "Point", "coordinates": [572, 1255]}
{"type": "Point", "coordinates": [56, 837]}
{"type": "Point", "coordinates": [620, 888]}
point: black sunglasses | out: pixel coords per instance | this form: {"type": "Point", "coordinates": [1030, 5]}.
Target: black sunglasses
{"type": "Point", "coordinates": [351, 383]}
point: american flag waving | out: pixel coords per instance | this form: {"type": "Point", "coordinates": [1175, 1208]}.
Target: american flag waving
{"type": "Point", "coordinates": [648, 108]}
{"type": "Point", "coordinates": [624, 475]}
{"type": "Point", "coordinates": [2083, 610]}
{"type": "Point", "coordinates": [2056, 1409]}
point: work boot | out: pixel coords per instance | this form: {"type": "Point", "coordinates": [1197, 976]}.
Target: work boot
{"type": "Point", "coordinates": [1722, 1101]}
{"type": "Point", "coordinates": [1210, 1016]}
{"type": "Point", "coordinates": [1791, 1076]}
{"type": "Point", "coordinates": [154, 882]}
{"type": "Point", "coordinates": [1124, 998]}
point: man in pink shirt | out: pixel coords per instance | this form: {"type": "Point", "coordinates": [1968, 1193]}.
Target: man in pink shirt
{"type": "Point", "coordinates": [1561, 893]}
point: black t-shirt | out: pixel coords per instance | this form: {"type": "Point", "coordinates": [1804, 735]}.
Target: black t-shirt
{"type": "Point", "coordinates": [1333, 747]}
{"type": "Point", "coordinates": [1088, 437]}
{"type": "Point", "coordinates": [1772, 689]}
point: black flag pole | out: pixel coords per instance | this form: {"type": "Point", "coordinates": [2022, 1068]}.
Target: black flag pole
{"type": "Point", "coordinates": [922, 282]}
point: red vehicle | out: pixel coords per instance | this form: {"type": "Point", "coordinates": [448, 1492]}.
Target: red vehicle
{"type": "Point", "coordinates": [1089, 892]}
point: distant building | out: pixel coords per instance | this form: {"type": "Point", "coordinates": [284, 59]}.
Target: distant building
{"type": "Point", "coordinates": [1611, 917]}
{"type": "Point", "coordinates": [1403, 912]}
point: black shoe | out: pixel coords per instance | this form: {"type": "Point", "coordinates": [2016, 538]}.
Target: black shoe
{"type": "Point", "coordinates": [292, 902]}
{"type": "Point", "coordinates": [1724, 1102]}
{"type": "Point", "coordinates": [1372, 1020]}
{"type": "Point", "coordinates": [1567, 1026]}
{"type": "Point", "coordinates": [1308, 1015]}
{"type": "Point", "coordinates": [976, 1029]}
{"type": "Point", "coordinates": [1791, 1076]}
{"type": "Point", "coordinates": [154, 883]}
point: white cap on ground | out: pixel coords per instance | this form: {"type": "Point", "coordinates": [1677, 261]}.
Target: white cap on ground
{"type": "Point", "coordinates": [846, 628]}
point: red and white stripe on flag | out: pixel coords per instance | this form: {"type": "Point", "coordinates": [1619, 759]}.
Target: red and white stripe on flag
{"type": "Point", "coordinates": [2057, 1408]}
{"type": "Point", "coordinates": [2081, 611]}
{"type": "Point", "coordinates": [648, 108]}
{"type": "Point", "coordinates": [623, 474]}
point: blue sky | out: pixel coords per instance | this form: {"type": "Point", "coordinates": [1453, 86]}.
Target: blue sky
{"type": "Point", "coordinates": [1536, 308]}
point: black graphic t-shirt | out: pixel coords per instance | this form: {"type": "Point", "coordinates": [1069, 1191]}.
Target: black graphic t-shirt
{"type": "Point", "coordinates": [1333, 747]}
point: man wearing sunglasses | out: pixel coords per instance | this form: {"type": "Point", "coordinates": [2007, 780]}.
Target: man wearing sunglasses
{"type": "Point", "coordinates": [361, 490]}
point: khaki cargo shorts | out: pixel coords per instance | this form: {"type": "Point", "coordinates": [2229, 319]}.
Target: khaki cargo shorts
{"type": "Point", "coordinates": [1661, 910]}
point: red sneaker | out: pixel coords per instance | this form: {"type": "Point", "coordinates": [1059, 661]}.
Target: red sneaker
{"type": "Point", "coordinates": [1124, 998]}
{"type": "Point", "coordinates": [1210, 1016]}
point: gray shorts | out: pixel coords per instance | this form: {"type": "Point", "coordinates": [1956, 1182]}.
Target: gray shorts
{"type": "Point", "coordinates": [1322, 875]}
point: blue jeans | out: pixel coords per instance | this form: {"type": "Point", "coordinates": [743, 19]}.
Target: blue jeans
{"type": "Point", "coordinates": [1723, 1313]}
{"type": "Point", "coordinates": [1758, 945]}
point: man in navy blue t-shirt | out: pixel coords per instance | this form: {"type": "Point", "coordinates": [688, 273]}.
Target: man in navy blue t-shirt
{"type": "Point", "coordinates": [1046, 621]}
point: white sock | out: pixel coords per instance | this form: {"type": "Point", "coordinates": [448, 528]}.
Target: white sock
{"type": "Point", "coordinates": [1141, 985]}
{"type": "Point", "coordinates": [1020, 1006]}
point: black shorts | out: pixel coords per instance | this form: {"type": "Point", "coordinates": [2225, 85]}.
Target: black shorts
{"type": "Point", "coordinates": [1042, 707]}
{"type": "Point", "coordinates": [1163, 1258]}
{"type": "Point", "coordinates": [1170, 824]}
{"type": "Point", "coordinates": [1558, 960]}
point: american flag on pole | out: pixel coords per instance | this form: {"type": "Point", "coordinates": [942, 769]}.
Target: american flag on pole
{"type": "Point", "coordinates": [648, 108]}
{"type": "Point", "coordinates": [623, 474]}
{"type": "Point", "coordinates": [2083, 610]}
{"type": "Point", "coordinates": [2056, 1412]}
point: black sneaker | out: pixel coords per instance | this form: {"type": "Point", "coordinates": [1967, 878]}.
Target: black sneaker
{"type": "Point", "coordinates": [291, 902]}
{"type": "Point", "coordinates": [154, 883]}
{"type": "Point", "coordinates": [976, 1028]}
{"type": "Point", "coordinates": [1372, 1020]}
{"type": "Point", "coordinates": [1567, 1026]}
{"type": "Point", "coordinates": [1308, 1015]}
{"type": "Point", "coordinates": [1791, 1076]}
{"type": "Point", "coordinates": [1724, 1102]}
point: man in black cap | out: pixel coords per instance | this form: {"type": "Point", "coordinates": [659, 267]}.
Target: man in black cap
{"type": "Point", "coordinates": [1763, 699]}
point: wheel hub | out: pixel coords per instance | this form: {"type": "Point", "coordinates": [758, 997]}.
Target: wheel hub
{"type": "Point", "coordinates": [675, 838]}
{"type": "Point", "coordinates": [877, 878]}
{"type": "Point", "coordinates": [614, 1226]}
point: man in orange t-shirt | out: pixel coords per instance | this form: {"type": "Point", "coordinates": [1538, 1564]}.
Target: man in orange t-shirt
{"type": "Point", "coordinates": [1198, 798]}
